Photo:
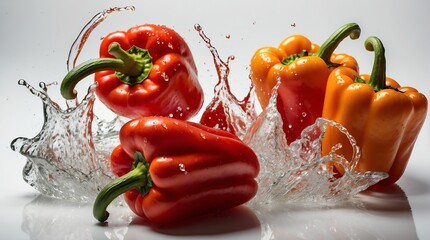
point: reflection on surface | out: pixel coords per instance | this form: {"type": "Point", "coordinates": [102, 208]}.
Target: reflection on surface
{"type": "Point", "coordinates": [237, 223]}
{"type": "Point", "coordinates": [374, 214]}
{"type": "Point", "coordinates": [415, 185]}
{"type": "Point", "coordinates": [48, 218]}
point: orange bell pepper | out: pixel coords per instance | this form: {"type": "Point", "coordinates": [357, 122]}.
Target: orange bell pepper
{"type": "Point", "coordinates": [303, 69]}
{"type": "Point", "coordinates": [383, 117]}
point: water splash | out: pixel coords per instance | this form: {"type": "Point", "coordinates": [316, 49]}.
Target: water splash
{"type": "Point", "coordinates": [298, 172]}
{"type": "Point", "coordinates": [69, 158]}
{"type": "Point", "coordinates": [86, 31]}
{"type": "Point", "coordinates": [295, 172]}
{"type": "Point", "coordinates": [225, 111]}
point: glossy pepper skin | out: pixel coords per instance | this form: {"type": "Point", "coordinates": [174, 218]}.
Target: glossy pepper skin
{"type": "Point", "coordinates": [302, 69]}
{"type": "Point", "coordinates": [190, 170]}
{"type": "Point", "coordinates": [155, 76]}
{"type": "Point", "coordinates": [383, 117]}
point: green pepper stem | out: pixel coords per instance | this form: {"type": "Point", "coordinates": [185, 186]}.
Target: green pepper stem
{"type": "Point", "coordinates": [135, 179]}
{"type": "Point", "coordinates": [377, 77]}
{"type": "Point", "coordinates": [328, 47]}
{"type": "Point", "coordinates": [132, 67]}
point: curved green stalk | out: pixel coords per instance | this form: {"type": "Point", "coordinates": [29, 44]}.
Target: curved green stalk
{"type": "Point", "coordinates": [327, 48]}
{"type": "Point", "coordinates": [138, 178]}
{"type": "Point", "coordinates": [132, 67]}
{"type": "Point", "coordinates": [378, 75]}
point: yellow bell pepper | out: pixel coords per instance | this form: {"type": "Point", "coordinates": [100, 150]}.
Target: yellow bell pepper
{"type": "Point", "coordinates": [383, 117]}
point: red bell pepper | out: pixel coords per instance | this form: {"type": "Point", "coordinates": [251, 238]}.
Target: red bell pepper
{"type": "Point", "coordinates": [155, 76]}
{"type": "Point", "coordinates": [171, 170]}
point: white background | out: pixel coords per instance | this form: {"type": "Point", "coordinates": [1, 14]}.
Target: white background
{"type": "Point", "coordinates": [35, 40]}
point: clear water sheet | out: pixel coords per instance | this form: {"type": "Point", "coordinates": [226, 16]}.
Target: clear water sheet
{"type": "Point", "coordinates": [69, 158]}
{"type": "Point", "coordinates": [298, 172]}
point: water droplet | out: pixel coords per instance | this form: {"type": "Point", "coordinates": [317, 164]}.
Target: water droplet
{"type": "Point", "coordinates": [165, 76]}
{"type": "Point", "coordinates": [171, 115]}
{"type": "Point", "coordinates": [22, 82]}
{"type": "Point", "coordinates": [202, 135]}
{"type": "Point", "coordinates": [197, 27]}
{"type": "Point", "coordinates": [304, 114]}
{"type": "Point", "coordinates": [42, 85]}
{"type": "Point", "coordinates": [182, 168]}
